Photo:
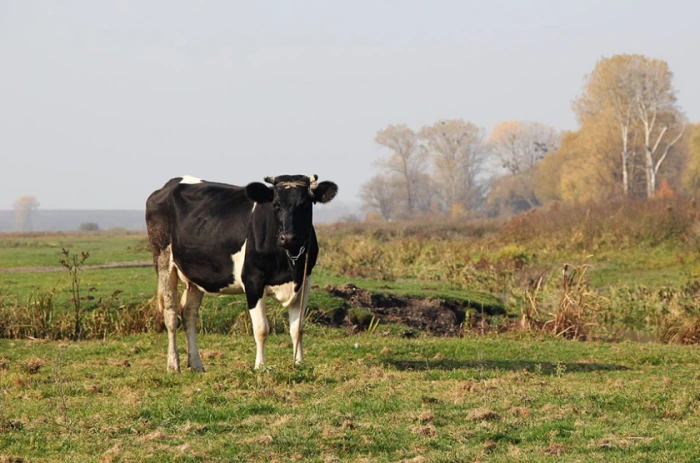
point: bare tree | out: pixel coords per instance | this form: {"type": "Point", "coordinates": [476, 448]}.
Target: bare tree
{"type": "Point", "coordinates": [426, 193]}
{"type": "Point", "coordinates": [380, 194]}
{"type": "Point", "coordinates": [519, 145]}
{"type": "Point", "coordinates": [406, 160]}
{"type": "Point", "coordinates": [457, 150]}
{"type": "Point", "coordinates": [24, 208]}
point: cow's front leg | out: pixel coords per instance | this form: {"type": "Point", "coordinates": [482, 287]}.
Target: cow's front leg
{"type": "Point", "coordinates": [261, 327]}
{"type": "Point", "coordinates": [296, 322]}
{"type": "Point", "coordinates": [191, 300]}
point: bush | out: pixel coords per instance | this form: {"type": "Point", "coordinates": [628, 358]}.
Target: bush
{"type": "Point", "coordinates": [89, 226]}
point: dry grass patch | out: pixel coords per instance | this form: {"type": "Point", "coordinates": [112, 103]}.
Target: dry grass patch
{"type": "Point", "coordinates": [483, 414]}
{"type": "Point", "coordinates": [424, 430]}
{"type": "Point", "coordinates": [426, 417]}
{"type": "Point", "coordinates": [264, 439]}
{"type": "Point", "coordinates": [156, 435]}
{"type": "Point", "coordinates": [520, 412]}
{"type": "Point", "coordinates": [556, 449]}
{"type": "Point", "coordinates": [33, 365]}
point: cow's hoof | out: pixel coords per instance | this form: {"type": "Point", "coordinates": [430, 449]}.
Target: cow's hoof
{"type": "Point", "coordinates": [197, 368]}
{"type": "Point", "coordinates": [195, 364]}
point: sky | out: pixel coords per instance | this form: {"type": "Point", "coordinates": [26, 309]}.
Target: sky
{"type": "Point", "coordinates": [102, 102]}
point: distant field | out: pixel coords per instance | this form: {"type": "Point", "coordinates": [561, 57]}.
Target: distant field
{"type": "Point", "coordinates": [27, 250]}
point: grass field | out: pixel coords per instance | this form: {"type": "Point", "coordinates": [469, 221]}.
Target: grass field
{"type": "Point", "coordinates": [45, 249]}
{"type": "Point", "coordinates": [358, 398]}
{"type": "Point", "coordinates": [378, 395]}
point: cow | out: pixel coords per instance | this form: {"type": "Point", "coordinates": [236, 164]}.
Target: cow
{"type": "Point", "coordinates": [224, 239]}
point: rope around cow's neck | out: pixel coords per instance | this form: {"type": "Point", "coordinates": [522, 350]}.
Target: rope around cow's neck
{"type": "Point", "coordinates": [302, 308]}
{"type": "Point", "coordinates": [294, 259]}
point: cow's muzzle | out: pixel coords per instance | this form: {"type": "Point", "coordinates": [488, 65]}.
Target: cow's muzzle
{"type": "Point", "coordinates": [288, 241]}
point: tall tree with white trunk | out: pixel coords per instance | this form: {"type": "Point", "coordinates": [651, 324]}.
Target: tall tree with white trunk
{"type": "Point", "coordinates": [661, 119]}
{"type": "Point", "coordinates": [636, 92]}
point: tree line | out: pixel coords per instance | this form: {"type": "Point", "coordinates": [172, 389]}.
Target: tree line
{"type": "Point", "coordinates": [633, 141]}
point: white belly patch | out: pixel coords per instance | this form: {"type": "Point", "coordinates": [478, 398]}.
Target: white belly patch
{"type": "Point", "coordinates": [237, 287]}
{"type": "Point", "coordinates": [283, 293]}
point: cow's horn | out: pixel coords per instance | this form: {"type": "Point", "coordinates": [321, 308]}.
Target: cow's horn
{"type": "Point", "coordinates": [312, 180]}
{"type": "Point", "coordinates": [271, 180]}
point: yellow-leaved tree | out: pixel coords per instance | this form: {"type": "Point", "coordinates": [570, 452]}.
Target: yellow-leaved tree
{"type": "Point", "coordinates": [691, 174]}
{"type": "Point", "coordinates": [634, 96]}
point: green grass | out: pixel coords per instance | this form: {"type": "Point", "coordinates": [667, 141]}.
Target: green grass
{"type": "Point", "coordinates": [136, 284]}
{"type": "Point", "coordinates": [45, 250]}
{"type": "Point", "coordinates": [665, 265]}
{"type": "Point", "coordinates": [357, 398]}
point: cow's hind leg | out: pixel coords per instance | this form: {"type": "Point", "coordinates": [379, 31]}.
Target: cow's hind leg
{"type": "Point", "coordinates": [167, 299]}
{"type": "Point", "coordinates": [191, 300]}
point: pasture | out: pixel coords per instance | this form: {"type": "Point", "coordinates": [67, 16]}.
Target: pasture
{"type": "Point", "coordinates": [451, 343]}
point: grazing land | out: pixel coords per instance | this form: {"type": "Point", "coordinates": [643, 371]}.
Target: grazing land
{"type": "Point", "coordinates": [363, 397]}
{"type": "Point", "coordinates": [434, 342]}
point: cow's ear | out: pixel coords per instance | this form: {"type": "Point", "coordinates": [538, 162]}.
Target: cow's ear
{"type": "Point", "coordinates": [259, 193]}
{"type": "Point", "coordinates": [324, 192]}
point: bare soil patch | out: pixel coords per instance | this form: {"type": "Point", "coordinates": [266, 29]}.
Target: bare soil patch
{"type": "Point", "coordinates": [433, 315]}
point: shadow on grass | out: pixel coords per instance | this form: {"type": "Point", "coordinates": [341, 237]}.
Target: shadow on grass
{"type": "Point", "coordinates": [545, 368]}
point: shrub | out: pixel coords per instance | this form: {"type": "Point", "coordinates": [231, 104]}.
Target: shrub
{"type": "Point", "coordinates": [89, 226]}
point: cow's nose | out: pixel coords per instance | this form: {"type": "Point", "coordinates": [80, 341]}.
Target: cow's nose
{"type": "Point", "coordinates": [286, 239]}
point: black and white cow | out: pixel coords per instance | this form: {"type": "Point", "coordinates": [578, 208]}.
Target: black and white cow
{"type": "Point", "coordinates": [225, 239]}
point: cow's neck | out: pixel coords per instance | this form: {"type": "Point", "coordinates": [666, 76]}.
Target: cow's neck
{"type": "Point", "coordinates": [293, 259]}
{"type": "Point", "coordinates": [297, 263]}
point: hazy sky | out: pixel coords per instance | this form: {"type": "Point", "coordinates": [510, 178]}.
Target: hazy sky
{"type": "Point", "coordinates": [102, 101]}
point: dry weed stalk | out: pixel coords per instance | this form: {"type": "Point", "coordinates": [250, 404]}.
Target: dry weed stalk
{"type": "Point", "coordinates": [531, 315]}
{"type": "Point", "coordinates": [572, 317]}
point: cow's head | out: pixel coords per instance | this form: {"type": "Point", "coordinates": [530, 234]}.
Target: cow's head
{"type": "Point", "coordinates": [292, 198]}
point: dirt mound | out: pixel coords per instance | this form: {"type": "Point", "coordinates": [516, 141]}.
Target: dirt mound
{"type": "Point", "coordinates": [433, 315]}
